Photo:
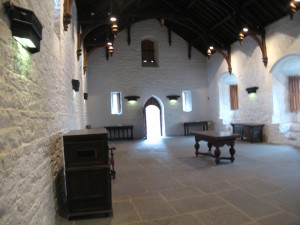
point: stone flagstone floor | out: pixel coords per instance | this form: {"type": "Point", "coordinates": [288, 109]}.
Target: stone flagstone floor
{"type": "Point", "coordinates": [164, 183]}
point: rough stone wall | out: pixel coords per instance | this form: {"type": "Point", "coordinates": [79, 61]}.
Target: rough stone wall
{"type": "Point", "coordinates": [123, 72]}
{"type": "Point", "coordinates": [282, 38]}
{"type": "Point", "coordinates": [37, 106]}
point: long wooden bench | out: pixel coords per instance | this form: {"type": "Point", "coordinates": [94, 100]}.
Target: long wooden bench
{"type": "Point", "coordinates": [121, 132]}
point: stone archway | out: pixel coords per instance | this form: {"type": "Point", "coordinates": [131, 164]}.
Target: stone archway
{"type": "Point", "coordinates": [282, 69]}
{"type": "Point", "coordinates": [287, 122]}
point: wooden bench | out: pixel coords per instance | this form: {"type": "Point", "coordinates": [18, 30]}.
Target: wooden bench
{"type": "Point", "coordinates": [187, 125]}
{"type": "Point", "coordinates": [120, 132]}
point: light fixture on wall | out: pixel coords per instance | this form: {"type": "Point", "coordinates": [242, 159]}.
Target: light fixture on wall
{"type": "Point", "coordinates": [132, 98]}
{"type": "Point", "coordinates": [251, 90]}
{"type": "Point", "coordinates": [210, 51]}
{"type": "Point", "coordinates": [114, 28]}
{"type": "Point", "coordinates": [173, 97]}
{"type": "Point", "coordinates": [75, 85]}
{"type": "Point", "coordinates": [85, 96]}
{"type": "Point", "coordinates": [242, 33]}
{"type": "Point", "coordinates": [25, 27]}
{"type": "Point", "coordinates": [294, 5]}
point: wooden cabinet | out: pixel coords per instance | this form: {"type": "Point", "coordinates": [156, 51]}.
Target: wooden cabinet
{"type": "Point", "coordinates": [248, 131]}
{"type": "Point", "coordinates": [87, 173]}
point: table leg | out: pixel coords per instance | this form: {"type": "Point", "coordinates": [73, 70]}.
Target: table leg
{"type": "Point", "coordinates": [217, 155]}
{"type": "Point", "coordinates": [209, 145]}
{"type": "Point", "coordinates": [197, 146]}
{"type": "Point", "coordinates": [232, 152]}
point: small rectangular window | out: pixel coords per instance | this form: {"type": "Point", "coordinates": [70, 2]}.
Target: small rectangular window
{"type": "Point", "coordinates": [116, 103]}
{"type": "Point", "coordinates": [187, 101]}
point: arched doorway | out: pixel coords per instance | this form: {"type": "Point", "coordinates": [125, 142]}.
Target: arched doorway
{"type": "Point", "coordinates": [153, 118]}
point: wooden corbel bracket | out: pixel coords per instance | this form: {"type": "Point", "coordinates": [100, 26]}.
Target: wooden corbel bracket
{"type": "Point", "coordinates": [262, 44]}
{"type": "Point", "coordinates": [227, 57]}
{"type": "Point", "coordinates": [86, 56]}
{"type": "Point", "coordinates": [67, 14]}
{"type": "Point", "coordinates": [79, 43]}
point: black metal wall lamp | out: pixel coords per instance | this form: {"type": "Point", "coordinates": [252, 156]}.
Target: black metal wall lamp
{"type": "Point", "coordinates": [251, 90]}
{"type": "Point", "coordinates": [132, 98]}
{"type": "Point", "coordinates": [75, 85]}
{"type": "Point", "coordinates": [25, 27]}
{"type": "Point", "coordinates": [173, 97]}
{"type": "Point", "coordinates": [85, 96]}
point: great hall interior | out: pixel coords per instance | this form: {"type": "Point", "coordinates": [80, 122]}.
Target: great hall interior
{"type": "Point", "coordinates": [138, 112]}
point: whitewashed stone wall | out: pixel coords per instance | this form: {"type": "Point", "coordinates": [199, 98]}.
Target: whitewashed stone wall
{"type": "Point", "coordinates": [282, 38]}
{"type": "Point", "coordinates": [123, 72]}
{"type": "Point", "coordinates": [37, 106]}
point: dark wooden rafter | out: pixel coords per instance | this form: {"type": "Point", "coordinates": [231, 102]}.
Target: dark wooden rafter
{"type": "Point", "coordinates": [255, 31]}
{"type": "Point", "coordinates": [181, 15]}
{"type": "Point", "coordinates": [170, 36]}
{"type": "Point", "coordinates": [200, 23]}
{"type": "Point", "coordinates": [189, 50]}
{"type": "Point", "coordinates": [129, 35]}
{"type": "Point", "coordinates": [67, 18]}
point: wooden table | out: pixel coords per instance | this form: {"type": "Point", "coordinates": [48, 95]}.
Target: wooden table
{"type": "Point", "coordinates": [187, 125]}
{"type": "Point", "coordinates": [216, 139]}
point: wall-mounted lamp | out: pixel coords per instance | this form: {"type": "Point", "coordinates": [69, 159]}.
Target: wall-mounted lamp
{"type": "Point", "coordinates": [132, 98]}
{"type": "Point", "coordinates": [25, 27]}
{"type": "Point", "coordinates": [75, 84]}
{"type": "Point", "coordinates": [294, 5]}
{"type": "Point", "coordinates": [85, 96]}
{"type": "Point", "coordinates": [173, 97]}
{"type": "Point", "coordinates": [251, 90]}
{"type": "Point", "coordinates": [243, 33]}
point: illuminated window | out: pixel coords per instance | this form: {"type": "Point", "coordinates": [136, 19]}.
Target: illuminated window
{"type": "Point", "coordinates": [116, 103]}
{"type": "Point", "coordinates": [148, 54]}
{"type": "Point", "coordinates": [187, 101]}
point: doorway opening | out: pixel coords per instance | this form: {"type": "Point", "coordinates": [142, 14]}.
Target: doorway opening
{"type": "Point", "coordinates": [153, 117]}
{"type": "Point", "coordinates": [153, 122]}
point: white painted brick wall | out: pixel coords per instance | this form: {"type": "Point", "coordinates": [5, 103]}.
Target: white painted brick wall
{"type": "Point", "coordinates": [37, 106]}
{"type": "Point", "coordinates": [282, 38]}
{"type": "Point", "coordinates": [123, 72]}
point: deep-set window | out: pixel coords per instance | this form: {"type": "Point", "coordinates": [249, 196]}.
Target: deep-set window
{"type": "Point", "coordinates": [148, 54]}
{"type": "Point", "coordinates": [116, 103]}
{"type": "Point", "coordinates": [187, 101]}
